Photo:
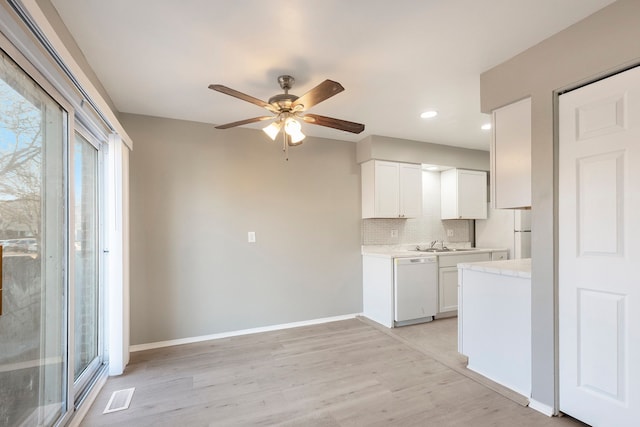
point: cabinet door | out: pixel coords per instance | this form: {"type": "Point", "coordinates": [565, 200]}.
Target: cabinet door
{"type": "Point", "coordinates": [472, 194]}
{"type": "Point", "coordinates": [387, 189]}
{"type": "Point", "coordinates": [449, 194]}
{"type": "Point", "coordinates": [511, 156]}
{"type": "Point", "coordinates": [377, 289]}
{"type": "Point", "coordinates": [448, 289]}
{"type": "Point", "coordinates": [410, 190]}
{"type": "Point", "coordinates": [463, 194]}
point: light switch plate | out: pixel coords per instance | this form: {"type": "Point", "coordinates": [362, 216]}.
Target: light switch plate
{"type": "Point", "coordinates": [251, 236]}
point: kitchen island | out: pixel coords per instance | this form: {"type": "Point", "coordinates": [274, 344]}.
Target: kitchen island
{"type": "Point", "coordinates": [494, 321]}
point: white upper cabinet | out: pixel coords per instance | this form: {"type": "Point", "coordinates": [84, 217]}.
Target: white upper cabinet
{"type": "Point", "coordinates": [410, 190]}
{"type": "Point", "coordinates": [463, 194]}
{"type": "Point", "coordinates": [391, 189]}
{"type": "Point", "coordinates": [511, 156]}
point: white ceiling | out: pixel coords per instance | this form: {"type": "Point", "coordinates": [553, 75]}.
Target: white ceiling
{"type": "Point", "coordinates": [394, 58]}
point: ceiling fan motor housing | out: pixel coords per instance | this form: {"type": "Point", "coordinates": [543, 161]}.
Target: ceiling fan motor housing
{"type": "Point", "coordinates": [284, 100]}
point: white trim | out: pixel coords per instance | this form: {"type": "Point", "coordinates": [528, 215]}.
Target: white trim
{"type": "Point", "coordinates": [63, 54]}
{"type": "Point", "coordinates": [541, 407]}
{"type": "Point", "coordinates": [126, 238]}
{"type": "Point", "coordinates": [116, 291]}
{"type": "Point", "coordinates": [160, 344]}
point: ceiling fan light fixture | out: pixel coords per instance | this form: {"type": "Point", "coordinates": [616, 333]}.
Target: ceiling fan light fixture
{"type": "Point", "coordinates": [293, 128]}
{"type": "Point", "coordinates": [272, 130]}
{"type": "Point", "coordinates": [296, 138]}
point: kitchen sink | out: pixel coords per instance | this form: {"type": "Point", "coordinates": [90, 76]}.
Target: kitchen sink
{"type": "Point", "coordinates": [440, 250]}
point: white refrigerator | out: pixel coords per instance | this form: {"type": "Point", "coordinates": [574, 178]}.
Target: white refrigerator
{"type": "Point", "coordinates": [506, 228]}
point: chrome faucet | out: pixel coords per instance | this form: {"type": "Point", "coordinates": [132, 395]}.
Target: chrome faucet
{"type": "Point", "coordinates": [436, 242]}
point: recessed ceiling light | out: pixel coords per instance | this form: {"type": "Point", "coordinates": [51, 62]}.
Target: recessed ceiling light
{"type": "Point", "coordinates": [429, 114]}
{"type": "Point", "coordinates": [486, 126]}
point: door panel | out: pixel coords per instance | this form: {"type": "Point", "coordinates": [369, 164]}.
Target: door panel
{"type": "Point", "coordinates": [33, 363]}
{"type": "Point", "coordinates": [601, 343]}
{"type": "Point", "coordinates": [86, 256]}
{"type": "Point", "coordinates": [600, 204]}
{"type": "Point", "coordinates": [599, 293]}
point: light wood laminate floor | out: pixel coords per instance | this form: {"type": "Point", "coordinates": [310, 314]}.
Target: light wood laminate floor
{"type": "Point", "coordinates": [346, 373]}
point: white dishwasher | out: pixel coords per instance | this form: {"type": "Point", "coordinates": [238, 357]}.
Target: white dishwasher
{"type": "Point", "coordinates": [415, 283]}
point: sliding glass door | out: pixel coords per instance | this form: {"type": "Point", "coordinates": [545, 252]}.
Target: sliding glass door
{"type": "Point", "coordinates": [87, 290]}
{"type": "Point", "coordinates": [33, 230]}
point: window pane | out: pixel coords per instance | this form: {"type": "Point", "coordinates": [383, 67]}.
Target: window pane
{"type": "Point", "coordinates": [32, 230]}
{"type": "Point", "coordinates": [86, 254]}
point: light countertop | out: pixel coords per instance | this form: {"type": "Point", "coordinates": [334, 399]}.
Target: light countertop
{"type": "Point", "coordinates": [408, 251]}
{"type": "Point", "coordinates": [510, 267]}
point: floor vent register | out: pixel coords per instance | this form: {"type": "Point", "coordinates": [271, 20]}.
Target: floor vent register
{"type": "Point", "coordinates": [119, 400]}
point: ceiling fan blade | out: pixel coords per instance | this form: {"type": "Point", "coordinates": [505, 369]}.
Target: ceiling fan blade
{"type": "Point", "coordinates": [333, 123]}
{"type": "Point", "coordinates": [244, 122]}
{"type": "Point", "coordinates": [243, 96]}
{"type": "Point", "coordinates": [323, 91]}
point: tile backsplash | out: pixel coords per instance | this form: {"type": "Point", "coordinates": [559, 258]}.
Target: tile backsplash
{"type": "Point", "coordinates": [416, 230]}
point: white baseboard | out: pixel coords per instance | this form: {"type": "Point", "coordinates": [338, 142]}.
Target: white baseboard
{"type": "Point", "coordinates": [541, 407]}
{"type": "Point", "coordinates": [160, 344]}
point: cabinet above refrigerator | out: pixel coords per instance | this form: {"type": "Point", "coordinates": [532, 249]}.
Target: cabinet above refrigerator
{"type": "Point", "coordinates": [506, 228]}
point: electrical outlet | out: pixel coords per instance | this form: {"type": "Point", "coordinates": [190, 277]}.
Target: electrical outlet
{"type": "Point", "coordinates": [449, 232]}
{"type": "Point", "coordinates": [394, 233]}
{"type": "Point", "coordinates": [251, 236]}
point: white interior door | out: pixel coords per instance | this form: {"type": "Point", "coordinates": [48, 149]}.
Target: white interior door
{"type": "Point", "coordinates": [599, 254]}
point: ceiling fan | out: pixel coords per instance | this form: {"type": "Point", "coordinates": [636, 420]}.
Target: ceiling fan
{"type": "Point", "coordinates": [287, 108]}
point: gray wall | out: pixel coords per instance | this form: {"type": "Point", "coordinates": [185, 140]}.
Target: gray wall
{"type": "Point", "coordinates": [605, 41]}
{"type": "Point", "coordinates": [197, 191]}
{"type": "Point", "coordinates": [403, 150]}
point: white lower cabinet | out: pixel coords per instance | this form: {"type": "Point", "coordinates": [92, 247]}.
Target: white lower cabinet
{"type": "Point", "coordinates": [377, 289]}
{"type": "Point", "coordinates": [494, 326]}
{"type": "Point", "coordinates": [448, 279]}
{"type": "Point", "coordinates": [378, 294]}
{"type": "Point", "coordinates": [448, 289]}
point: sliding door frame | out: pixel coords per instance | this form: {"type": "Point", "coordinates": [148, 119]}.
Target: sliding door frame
{"type": "Point", "coordinates": [83, 383]}
{"type": "Point", "coordinates": [87, 124]}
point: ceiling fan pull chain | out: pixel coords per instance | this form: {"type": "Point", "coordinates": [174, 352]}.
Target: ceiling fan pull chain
{"type": "Point", "coordinates": [285, 146]}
